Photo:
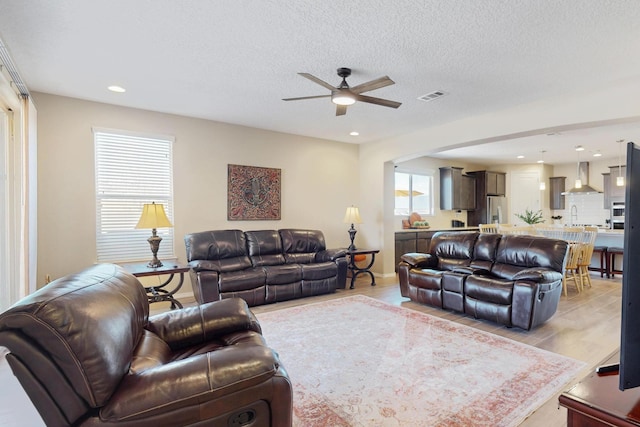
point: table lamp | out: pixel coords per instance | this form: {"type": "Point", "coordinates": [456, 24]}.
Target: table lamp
{"type": "Point", "coordinates": [352, 216]}
{"type": "Point", "coordinates": [153, 216]}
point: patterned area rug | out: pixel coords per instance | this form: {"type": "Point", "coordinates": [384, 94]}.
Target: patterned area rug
{"type": "Point", "coordinates": [356, 361]}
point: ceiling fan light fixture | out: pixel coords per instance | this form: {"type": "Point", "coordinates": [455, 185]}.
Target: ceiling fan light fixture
{"type": "Point", "coordinates": [342, 98]}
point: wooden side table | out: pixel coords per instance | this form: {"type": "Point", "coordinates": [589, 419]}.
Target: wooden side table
{"type": "Point", "coordinates": [596, 401]}
{"type": "Point", "coordinates": [355, 270]}
{"type": "Point", "coordinates": [159, 293]}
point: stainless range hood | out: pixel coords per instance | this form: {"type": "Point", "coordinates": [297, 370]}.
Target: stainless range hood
{"type": "Point", "coordinates": [583, 175]}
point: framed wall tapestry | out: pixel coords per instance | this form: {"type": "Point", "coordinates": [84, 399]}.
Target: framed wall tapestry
{"type": "Point", "coordinates": [253, 193]}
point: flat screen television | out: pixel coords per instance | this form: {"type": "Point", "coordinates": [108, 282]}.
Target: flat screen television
{"type": "Point", "coordinates": [630, 328]}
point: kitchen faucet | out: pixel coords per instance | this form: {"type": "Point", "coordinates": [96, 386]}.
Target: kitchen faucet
{"type": "Point", "coordinates": [574, 214]}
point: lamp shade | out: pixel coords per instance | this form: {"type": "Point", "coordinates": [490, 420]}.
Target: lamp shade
{"type": "Point", "coordinates": [352, 216]}
{"type": "Point", "coordinates": [153, 216]}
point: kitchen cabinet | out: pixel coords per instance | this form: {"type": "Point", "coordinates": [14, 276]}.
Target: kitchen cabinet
{"type": "Point", "coordinates": [457, 191]}
{"type": "Point", "coordinates": [488, 183]}
{"type": "Point", "coordinates": [616, 193]}
{"type": "Point", "coordinates": [556, 188]}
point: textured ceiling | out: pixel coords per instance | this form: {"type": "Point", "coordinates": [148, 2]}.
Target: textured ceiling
{"type": "Point", "coordinates": [235, 61]}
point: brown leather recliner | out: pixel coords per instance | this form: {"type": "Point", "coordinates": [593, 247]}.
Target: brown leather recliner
{"type": "Point", "coordinates": [87, 353]}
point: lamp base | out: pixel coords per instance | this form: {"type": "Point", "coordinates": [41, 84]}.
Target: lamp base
{"type": "Point", "coordinates": [352, 235]}
{"type": "Point", "coordinates": [154, 242]}
{"type": "Point", "coordinates": [155, 263]}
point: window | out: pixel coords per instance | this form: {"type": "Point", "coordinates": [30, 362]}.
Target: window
{"type": "Point", "coordinates": [131, 170]}
{"type": "Point", "coordinates": [413, 193]}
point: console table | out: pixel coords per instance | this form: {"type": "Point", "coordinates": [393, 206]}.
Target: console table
{"type": "Point", "coordinates": [355, 270]}
{"type": "Point", "coordinates": [159, 292]}
{"type": "Point", "coordinates": [596, 401]}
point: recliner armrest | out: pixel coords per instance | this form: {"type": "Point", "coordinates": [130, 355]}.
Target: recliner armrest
{"type": "Point", "coordinates": [539, 275]}
{"type": "Point", "coordinates": [189, 383]}
{"type": "Point", "coordinates": [330, 255]}
{"type": "Point", "coordinates": [194, 325]}
{"type": "Point", "coordinates": [419, 260]}
{"type": "Point", "coordinates": [204, 265]}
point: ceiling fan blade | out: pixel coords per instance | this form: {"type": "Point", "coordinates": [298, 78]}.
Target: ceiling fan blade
{"type": "Point", "coordinates": [341, 110]}
{"type": "Point", "coordinates": [378, 101]}
{"type": "Point", "coordinates": [306, 97]}
{"type": "Point", "coordinates": [372, 85]}
{"type": "Point", "coordinates": [317, 80]}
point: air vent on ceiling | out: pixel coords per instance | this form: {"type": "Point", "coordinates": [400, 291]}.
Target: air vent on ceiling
{"type": "Point", "coordinates": [431, 96]}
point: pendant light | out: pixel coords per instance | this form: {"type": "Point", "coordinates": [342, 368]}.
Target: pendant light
{"type": "Point", "coordinates": [620, 178]}
{"type": "Point", "coordinates": [543, 185]}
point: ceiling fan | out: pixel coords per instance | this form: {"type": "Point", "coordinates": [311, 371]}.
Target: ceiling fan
{"type": "Point", "coordinates": [344, 95]}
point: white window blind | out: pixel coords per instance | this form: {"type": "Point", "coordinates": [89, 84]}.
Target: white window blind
{"type": "Point", "coordinates": [131, 170]}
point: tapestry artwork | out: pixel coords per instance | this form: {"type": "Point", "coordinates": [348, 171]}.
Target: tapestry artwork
{"type": "Point", "coordinates": [253, 193]}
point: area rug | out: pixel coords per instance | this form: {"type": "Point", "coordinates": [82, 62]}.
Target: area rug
{"type": "Point", "coordinates": [357, 361]}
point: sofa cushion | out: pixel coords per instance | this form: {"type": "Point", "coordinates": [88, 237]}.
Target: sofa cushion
{"type": "Point", "coordinates": [281, 274]}
{"type": "Point", "coordinates": [489, 289]}
{"type": "Point", "coordinates": [453, 249]}
{"type": "Point", "coordinates": [426, 278]}
{"type": "Point", "coordinates": [234, 281]}
{"type": "Point", "coordinates": [301, 246]}
{"type": "Point", "coordinates": [516, 252]}
{"type": "Point", "coordinates": [484, 251]}
{"type": "Point", "coordinates": [265, 247]}
{"type": "Point", "coordinates": [220, 250]}
{"type": "Point", "coordinates": [319, 271]}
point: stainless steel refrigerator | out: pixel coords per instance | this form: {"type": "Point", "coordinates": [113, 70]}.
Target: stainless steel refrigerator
{"type": "Point", "coordinates": [497, 210]}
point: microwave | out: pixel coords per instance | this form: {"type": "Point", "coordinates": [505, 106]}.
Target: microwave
{"type": "Point", "coordinates": [617, 210]}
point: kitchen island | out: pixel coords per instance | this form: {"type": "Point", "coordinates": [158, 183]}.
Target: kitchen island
{"type": "Point", "coordinates": [610, 239]}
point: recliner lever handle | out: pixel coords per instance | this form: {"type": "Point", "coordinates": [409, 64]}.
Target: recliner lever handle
{"type": "Point", "coordinates": [241, 419]}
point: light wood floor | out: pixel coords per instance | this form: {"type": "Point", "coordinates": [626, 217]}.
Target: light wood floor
{"type": "Point", "coordinates": [585, 327]}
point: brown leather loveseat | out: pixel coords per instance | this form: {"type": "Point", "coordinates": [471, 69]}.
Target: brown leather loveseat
{"type": "Point", "coordinates": [263, 266]}
{"type": "Point", "coordinates": [87, 353]}
{"type": "Point", "coordinates": [514, 280]}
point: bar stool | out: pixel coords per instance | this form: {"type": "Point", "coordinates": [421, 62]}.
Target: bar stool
{"type": "Point", "coordinates": [602, 268]}
{"type": "Point", "coordinates": [613, 251]}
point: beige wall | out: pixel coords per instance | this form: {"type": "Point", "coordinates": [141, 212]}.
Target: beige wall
{"type": "Point", "coordinates": [319, 177]}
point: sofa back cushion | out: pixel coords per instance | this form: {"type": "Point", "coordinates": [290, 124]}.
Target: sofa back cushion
{"type": "Point", "coordinates": [87, 324]}
{"type": "Point", "coordinates": [484, 251]}
{"type": "Point", "coordinates": [517, 252]}
{"type": "Point", "coordinates": [265, 247]}
{"type": "Point", "coordinates": [301, 246]}
{"type": "Point", "coordinates": [219, 250]}
{"type": "Point", "coordinates": [454, 249]}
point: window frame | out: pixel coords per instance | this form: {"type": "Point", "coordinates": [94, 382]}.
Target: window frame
{"type": "Point", "coordinates": [131, 169]}
{"type": "Point", "coordinates": [411, 173]}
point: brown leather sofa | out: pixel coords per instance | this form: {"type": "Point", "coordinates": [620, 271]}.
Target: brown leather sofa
{"type": "Point", "coordinates": [87, 353]}
{"type": "Point", "coordinates": [513, 280]}
{"type": "Point", "coordinates": [263, 266]}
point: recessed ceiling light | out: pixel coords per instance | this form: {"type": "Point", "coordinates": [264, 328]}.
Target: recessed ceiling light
{"type": "Point", "coordinates": [117, 89]}
{"type": "Point", "coordinates": [354, 133]}
{"type": "Point", "coordinates": [520, 156]}
{"type": "Point", "coordinates": [597, 154]}
{"type": "Point", "coordinates": [540, 161]}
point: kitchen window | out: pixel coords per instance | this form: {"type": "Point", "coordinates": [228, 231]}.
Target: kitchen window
{"type": "Point", "coordinates": [414, 193]}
